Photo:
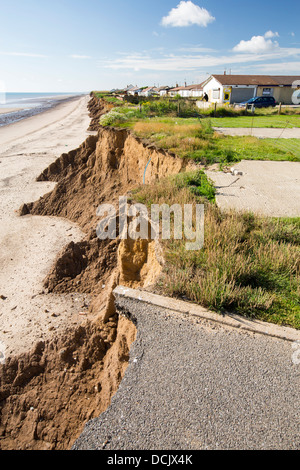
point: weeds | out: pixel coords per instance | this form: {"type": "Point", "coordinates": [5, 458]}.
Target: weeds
{"type": "Point", "coordinates": [249, 265]}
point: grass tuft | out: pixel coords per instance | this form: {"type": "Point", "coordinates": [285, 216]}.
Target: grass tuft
{"type": "Point", "coordinates": [249, 265]}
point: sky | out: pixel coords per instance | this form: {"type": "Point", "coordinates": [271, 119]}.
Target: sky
{"type": "Point", "coordinates": [85, 45]}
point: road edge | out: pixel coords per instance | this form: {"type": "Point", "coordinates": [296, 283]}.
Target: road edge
{"type": "Point", "coordinates": [188, 308]}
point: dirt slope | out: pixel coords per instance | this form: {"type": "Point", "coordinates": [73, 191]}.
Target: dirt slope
{"type": "Point", "coordinates": [47, 396]}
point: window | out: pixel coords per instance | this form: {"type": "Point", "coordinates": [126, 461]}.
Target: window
{"type": "Point", "coordinates": [267, 91]}
{"type": "Point", "coordinates": [216, 94]}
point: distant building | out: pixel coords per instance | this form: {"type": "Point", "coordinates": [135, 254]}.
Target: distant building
{"type": "Point", "coordinates": [163, 90]}
{"type": "Point", "coordinates": [187, 91]}
{"type": "Point", "coordinates": [176, 91]}
{"type": "Point", "coordinates": [149, 91]}
{"type": "Point", "coordinates": [134, 91]}
{"type": "Point", "coordinates": [238, 88]}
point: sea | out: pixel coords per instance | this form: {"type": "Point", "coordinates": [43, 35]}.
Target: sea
{"type": "Point", "coordinates": [30, 104]}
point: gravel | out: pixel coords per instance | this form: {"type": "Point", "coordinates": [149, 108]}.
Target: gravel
{"type": "Point", "coordinates": [192, 384]}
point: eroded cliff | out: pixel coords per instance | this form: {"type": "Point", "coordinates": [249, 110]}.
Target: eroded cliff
{"type": "Point", "coordinates": [48, 395]}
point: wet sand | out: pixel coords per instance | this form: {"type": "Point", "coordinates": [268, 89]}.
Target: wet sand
{"type": "Point", "coordinates": [9, 110]}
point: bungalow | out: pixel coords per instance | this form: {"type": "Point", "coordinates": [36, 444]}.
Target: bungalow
{"type": "Point", "coordinates": [230, 89]}
{"type": "Point", "coordinates": [190, 91]}
{"type": "Point", "coordinates": [127, 89]}
{"type": "Point", "coordinates": [149, 91]}
{"type": "Point", "coordinates": [176, 91]}
{"type": "Point", "coordinates": [134, 91]}
{"type": "Point", "coordinates": [196, 90]}
{"type": "Point", "coordinates": [163, 90]}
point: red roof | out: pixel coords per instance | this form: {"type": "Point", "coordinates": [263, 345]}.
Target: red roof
{"type": "Point", "coordinates": [258, 80]}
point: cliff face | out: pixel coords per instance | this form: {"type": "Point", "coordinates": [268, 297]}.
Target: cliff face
{"type": "Point", "coordinates": [47, 396]}
{"type": "Point", "coordinates": [97, 108]}
{"type": "Point", "coordinates": [104, 168]}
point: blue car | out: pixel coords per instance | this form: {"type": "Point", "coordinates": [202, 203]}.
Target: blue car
{"type": "Point", "coordinates": [260, 102]}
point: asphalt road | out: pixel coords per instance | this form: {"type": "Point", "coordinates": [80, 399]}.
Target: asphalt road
{"type": "Point", "coordinates": [197, 385]}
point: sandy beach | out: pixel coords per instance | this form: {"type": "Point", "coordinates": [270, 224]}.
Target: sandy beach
{"type": "Point", "coordinates": [29, 245]}
{"type": "Point", "coordinates": [9, 110]}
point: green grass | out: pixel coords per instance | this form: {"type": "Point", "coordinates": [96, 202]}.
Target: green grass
{"type": "Point", "coordinates": [195, 139]}
{"type": "Point", "coordinates": [258, 121]}
{"type": "Point", "coordinates": [251, 148]}
{"type": "Point", "coordinates": [249, 265]}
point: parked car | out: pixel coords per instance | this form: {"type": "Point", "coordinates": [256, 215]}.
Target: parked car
{"type": "Point", "coordinates": [259, 102]}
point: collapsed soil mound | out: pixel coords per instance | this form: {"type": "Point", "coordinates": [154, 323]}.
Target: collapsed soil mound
{"type": "Point", "coordinates": [104, 168]}
{"type": "Point", "coordinates": [49, 394]}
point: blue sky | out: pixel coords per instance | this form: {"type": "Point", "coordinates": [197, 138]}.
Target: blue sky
{"type": "Point", "coordinates": [83, 45]}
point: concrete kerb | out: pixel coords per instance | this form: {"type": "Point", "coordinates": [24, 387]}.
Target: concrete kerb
{"type": "Point", "coordinates": [188, 308]}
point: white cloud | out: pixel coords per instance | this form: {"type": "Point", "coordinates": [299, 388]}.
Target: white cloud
{"type": "Point", "coordinates": [197, 61]}
{"type": "Point", "coordinates": [80, 57]}
{"type": "Point", "coordinates": [187, 14]}
{"type": "Point", "coordinates": [257, 45]}
{"type": "Point", "coordinates": [291, 68]}
{"type": "Point", "coordinates": [23, 54]}
{"type": "Point", "coordinates": [195, 49]}
{"type": "Point", "coordinates": [270, 35]}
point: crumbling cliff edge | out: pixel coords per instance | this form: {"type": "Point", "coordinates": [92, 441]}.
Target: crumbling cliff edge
{"type": "Point", "coordinates": [48, 395]}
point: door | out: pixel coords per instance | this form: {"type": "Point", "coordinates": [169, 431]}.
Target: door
{"type": "Point", "coordinates": [226, 95]}
{"type": "Point", "coordinates": [239, 95]}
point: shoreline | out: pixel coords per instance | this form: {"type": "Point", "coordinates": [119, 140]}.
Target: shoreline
{"type": "Point", "coordinates": [9, 117]}
{"type": "Point", "coordinates": [16, 132]}
{"type": "Point", "coordinates": [9, 110]}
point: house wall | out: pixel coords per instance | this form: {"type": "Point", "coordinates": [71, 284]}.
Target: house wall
{"type": "Point", "coordinates": [284, 95]}
{"type": "Point", "coordinates": [281, 94]}
{"type": "Point", "coordinates": [185, 93]}
{"type": "Point", "coordinates": [209, 88]}
{"type": "Point", "coordinates": [197, 93]}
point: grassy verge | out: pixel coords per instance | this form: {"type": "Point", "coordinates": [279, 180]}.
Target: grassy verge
{"type": "Point", "coordinates": [249, 265]}
{"type": "Point", "coordinates": [258, 121]}
{"type": "Point", "coordinates": [196, 140]}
